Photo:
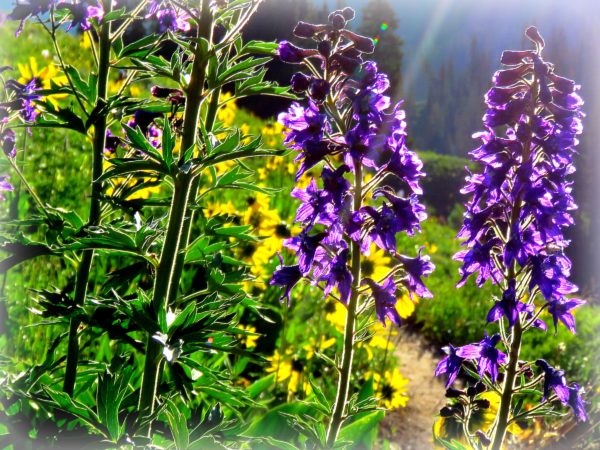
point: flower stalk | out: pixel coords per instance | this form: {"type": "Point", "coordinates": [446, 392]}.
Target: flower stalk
{"type": "Point", "coordinates": [513, 229]}
{"type": "Point", "coordinates": [508, 388]}
{"type": "Point", "coordinates": [167, 278]}
{"type": "Point", "coordinates": [99, 143]}
{"type": "Point", "coordinates": [345, 370]}
{"type": "Point", "coordinates": [346, 129]}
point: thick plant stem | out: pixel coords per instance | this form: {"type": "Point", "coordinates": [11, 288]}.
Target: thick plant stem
{"type": "Point", "coordinates": [186, 231]}
{"type": "Point", "coordinates": [162, 282]}
{"type": "Point", "coordinates": [507, 391]}
{"type": "Point", "coordinates": [167, 278]}
{"type": "Point", "coordinates": [83, 271]}
{"type": "Point", "coordinates": [341, 400]}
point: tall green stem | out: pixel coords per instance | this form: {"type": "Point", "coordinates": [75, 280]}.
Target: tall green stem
{"type": "Point", "coordinates": [189, 218]}
{"type": "Point", "coordinates": [345, 370]}
{"type": "Point", "coordinates": [167, 279]}
{"type": "Point", "coordinates": [162, 282]}
{"type": "Point", "coordinates": [507, 391]}
{"type": "Point", "coordinates": [99, 143]}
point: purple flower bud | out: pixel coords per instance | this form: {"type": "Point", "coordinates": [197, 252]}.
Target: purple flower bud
{"type": "Point", "coordinates": [5, 186]}
{"type": "Point", "coordinates": [288, 277]}
{"type": "Point", "coordinates": [8, 143]}
{"type": "Point", "coordinates": [300, 82]}
{"type": "Point", "coordinates": [533, 34]}
{"type": "Point", "coordinates": [362, 43]}
{"type": "Point", "coordinates": [324, 48]}
{"type": "Point", "coordinates": [163, 92]}
{"type": "Point", "coordinates": [289, 53]}
{"type": "Point", "coordinates": [306, 30]}
{"type": "Point", "coordinates": [348, 13]}
{"type": "Point", "coordinates": [337, 19]}
{"type": "Point", "coordinates": [385, 300]}
{"type": "Point", "coordinates": [319, 89]}
{"type": "Point", "coordinates": [516, 57]}
{"type": "Point", "coordinates": [508, 77]}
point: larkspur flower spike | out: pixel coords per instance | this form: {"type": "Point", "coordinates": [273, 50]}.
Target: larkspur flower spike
{"type": "Point", "coordinates": [520, 203]}
{"type": "Point", "coordinates": [373, 138]}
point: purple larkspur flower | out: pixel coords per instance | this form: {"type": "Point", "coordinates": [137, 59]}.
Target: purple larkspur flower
{"type": "Point", "coordinates": [82, 13]}
{"type": "Point", "coordinates": [305, 246]}
{"type": "Point", "coordinates": [305, 125]}
{"type": "Point", "coordinates": [5, 186]}
{"type": "Point", "coordinates": [561, 308]}
{"type": "Point", "coordinates": [488, 357]}
{"type": "Point", "coordinates": [416, 269]}
{"type": "Point", "coordinates": [169, 18]}
{"type": "Point", "coordinates": [576, 402]}
{"type": "Point", "coordinates": [315, 204]}
{"type": "Point", "coordinates": [335, 184]}
{"type": "Point", "coordinates": [287, 277]}
{"type": "Point", "coordinates": [478, 259]}
{"type": "Point", "coordinates": [385, 300]}
{"type": "Point", "coordinates": [23, 10]}
{"type": "Point", "coordinates": [509, 306]}
{"type": "Point", "coordinates": [384, 228]}
{"type": "Point", "coordinates": [449, 364]}
{"type": "Point", "coordinates": [23, 98]}
{"type": "Point", "coordinates": [554, 379]}
{"type": "Point", "coordinates": [409, 212]}
{"type": "Point", "coordinates": [338, 276]}
{"type": "Point", "coordinates": [520, 203]}
{"type": "Point", "coordinates": [8, 142]}
{"type": "Point", "coordinates": [343, 127]}
{"type": "Point", "coordinates": [550, 275]}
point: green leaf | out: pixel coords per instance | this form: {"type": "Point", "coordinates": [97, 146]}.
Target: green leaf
{"type": "Point", "coordinates": [139, 47]}
{"type": "Point", "coordinates": [134, 166]}
{"type": "Point", "coordinates": [74, 407]}
{"type": "Point", "coordinates": [241, 68]}
{"type": "Point", "coordinates": [178, 426]}
{"type": "Point", "coordinates": [112, 390]}
{"type": "Point", "coordinates": [139, 141]}
{"type": "Point", "coordinates": [259, 48]}
{"type": "Point", "coordinates": [229, 144]}
{"type": "Point", "coordinates": [274, 423]}
{"type": "Point", "coordinates": [362, 432]}
{"type": "Point", "coordinates": [260, 385]}
{"type": "Point", "coordinates": [238, 231]}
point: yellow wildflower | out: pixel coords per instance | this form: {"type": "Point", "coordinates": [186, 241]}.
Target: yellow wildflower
{"type": "Point", "coordinates": [391, 389]}
{"type": "Point", "coordinates": [481, 419]}
{"type": "Point", "coordinates": [336, 314]}
{"type": "Point", "coordinates": [248, 340]}
{"type": "Point", "coordinates": [280, 366]}
{"type": "Point", "coordinates": [376, 265]}
{"type": "Point", "coordinates": [85, 42]}
{"type": "Point", "coordinates": [382, 338]}
{"type": "Point", "coordinates": [405, 305]}
{"type": "Point", "coordinates": [44, 76]}
{"type": "Point", "coordinates": [216, 209]}
{"type": "Point", "coordinates": [313, 346]}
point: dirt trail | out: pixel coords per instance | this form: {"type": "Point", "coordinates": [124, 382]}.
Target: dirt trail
{"type": "Point", "coordinates": [409, 428]}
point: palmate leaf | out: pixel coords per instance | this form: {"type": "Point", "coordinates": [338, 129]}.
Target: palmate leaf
{"type": "Point", "coordinates": [63, 118]}
{"type": "Point", "coordinates": [77, 409]}
{"type": "Point", "coordinates": [113, 387]}
{"type": "Point", "coordinates": [22, 249]}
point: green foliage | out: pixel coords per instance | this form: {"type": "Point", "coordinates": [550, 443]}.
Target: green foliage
{"type": "Point", "coordinates": [445, 177]}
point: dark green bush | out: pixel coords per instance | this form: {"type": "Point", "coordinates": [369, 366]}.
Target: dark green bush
{"type": "Point", "coordinates": [445, 177]}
